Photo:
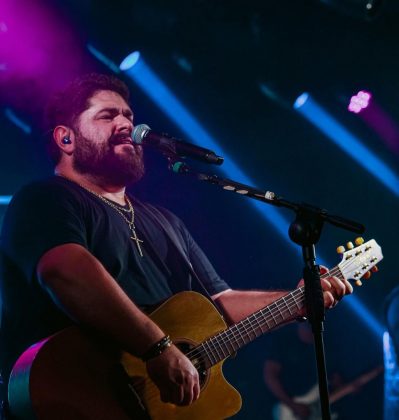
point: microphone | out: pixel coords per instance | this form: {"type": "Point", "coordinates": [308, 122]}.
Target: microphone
{"type": "Point", "coordinates": [142, 134]}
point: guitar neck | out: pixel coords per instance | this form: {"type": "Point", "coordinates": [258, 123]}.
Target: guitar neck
{"type": "Point", "coordinates": [227, 342]}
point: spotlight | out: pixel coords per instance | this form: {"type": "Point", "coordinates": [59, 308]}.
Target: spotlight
{"type": "Point", "coordinates": [130, 61]}
{"type": "Point", "coordinates": [359, 102]}
{"type": "Point", "coordinates": [301, 100]}
{"type": "Point", "coordinates": [5, 200]}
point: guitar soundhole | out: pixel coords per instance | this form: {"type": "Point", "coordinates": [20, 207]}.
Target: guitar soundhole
{"type": "Point", "coordinates": [203, 372]}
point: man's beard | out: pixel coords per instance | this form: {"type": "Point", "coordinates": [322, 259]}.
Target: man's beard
{"type": "Point", "coordinates": [101, 161]}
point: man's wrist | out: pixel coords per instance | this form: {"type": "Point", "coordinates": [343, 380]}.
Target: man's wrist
{"type": "Point", "coordinates": [157, 349]}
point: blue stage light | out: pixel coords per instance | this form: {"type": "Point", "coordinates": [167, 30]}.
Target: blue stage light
{"type": "Point", "coordinates": [336, 132]}
{"type": "Point", "coordinates": [13, 117]}
{"type": "Point", "coordinates": [300, 100]}
{"type": "Point", "coordinates": [5, 199]}
{"type": "Point", "coordinates": [103, 58]}
{"type": "Point", "coordinates": [130, 61]}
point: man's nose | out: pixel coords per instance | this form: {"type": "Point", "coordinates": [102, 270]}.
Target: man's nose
{"type": "Point", "coordinates": [124, 124]}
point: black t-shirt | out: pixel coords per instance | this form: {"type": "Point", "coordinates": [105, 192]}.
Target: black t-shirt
{"type": "Point", "coordinates": [50, 213]}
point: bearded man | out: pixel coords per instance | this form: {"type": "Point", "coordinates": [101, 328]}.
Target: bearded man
{"type": "Point", "coordinates": [77, 249]}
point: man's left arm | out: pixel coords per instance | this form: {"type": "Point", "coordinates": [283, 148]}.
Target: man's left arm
{"type": "Point", "coordinates": [238, 304]}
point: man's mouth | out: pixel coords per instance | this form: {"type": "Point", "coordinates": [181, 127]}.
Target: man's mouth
{"type": "Point", "coordinates": [125, 139]}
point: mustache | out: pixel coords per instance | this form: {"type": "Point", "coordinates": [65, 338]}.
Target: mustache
{"type": "Point", "coordinates": [122, 138]}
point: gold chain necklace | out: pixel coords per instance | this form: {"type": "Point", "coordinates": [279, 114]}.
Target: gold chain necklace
{"type": "Point", "coordinates": [130, 211]}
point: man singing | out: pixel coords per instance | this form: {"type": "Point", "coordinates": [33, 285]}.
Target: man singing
{"type": "Point", "coordinates": [77, 249]}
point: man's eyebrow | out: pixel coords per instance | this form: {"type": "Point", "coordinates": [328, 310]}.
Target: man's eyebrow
{"type": "Point", "coordinates": [113, 110]}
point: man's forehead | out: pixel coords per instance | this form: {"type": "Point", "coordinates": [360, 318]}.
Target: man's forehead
{"type": "Point", "coordinates": [107, 99]}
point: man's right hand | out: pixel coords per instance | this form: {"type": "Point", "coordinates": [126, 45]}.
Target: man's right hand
{"type": "Point", "coordinates": [175, 376]}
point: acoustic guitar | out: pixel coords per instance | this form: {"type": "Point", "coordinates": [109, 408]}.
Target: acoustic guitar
{"type": "Point", "coordinates": [72, 375]}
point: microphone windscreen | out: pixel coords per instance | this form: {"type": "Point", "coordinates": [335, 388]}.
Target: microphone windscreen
{"type": "Point", "coordinates": [139, 132]}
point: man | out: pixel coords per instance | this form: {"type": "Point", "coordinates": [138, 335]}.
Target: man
{"type": "Point", "coordinates": [78, 249]}
{"type": "Point", "coordinates": [289, 369]}
{"type": "Point", "coordinates": [290, 373]}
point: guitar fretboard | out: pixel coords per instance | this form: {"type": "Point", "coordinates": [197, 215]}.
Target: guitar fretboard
{"type": "Point", "coordinates": [227, 342]}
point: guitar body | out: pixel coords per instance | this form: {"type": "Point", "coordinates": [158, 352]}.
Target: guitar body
{"type": "Point", "coordinates": [72, 376]}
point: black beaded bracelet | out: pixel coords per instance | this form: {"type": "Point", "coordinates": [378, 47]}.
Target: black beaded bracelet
{"type": "Point", "coordinates": [157, 349]}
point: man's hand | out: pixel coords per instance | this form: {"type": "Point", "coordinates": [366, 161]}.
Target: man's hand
{"type": "Point", "coordinates": [334, 289]}
{"type": "Point", "coordinates": [175, 376]}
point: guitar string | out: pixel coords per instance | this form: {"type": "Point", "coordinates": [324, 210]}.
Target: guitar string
{"type": "Point", "coordinates": [247, 324]}
{"type": "Point", "coordinates": [197, 354]}
{"type": "Point", "coordinates": [198, 362]}
{"type": "Point", "coordinates": [229, 336]}
{"type": "Point", "coordinates": [277, 304]}
{"type": "Point", "coordinates": [248, 327]}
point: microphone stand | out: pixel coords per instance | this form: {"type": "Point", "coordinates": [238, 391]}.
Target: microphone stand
{"type": "Point", "coordinates": [305, 231]}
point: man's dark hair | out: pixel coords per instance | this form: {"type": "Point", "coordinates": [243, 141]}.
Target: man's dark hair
{"type": "Point", "coordinates": [65, 107]}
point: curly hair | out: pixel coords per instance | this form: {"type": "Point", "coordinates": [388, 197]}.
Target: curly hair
{"type": "Point", "coordinates": [65, 107]}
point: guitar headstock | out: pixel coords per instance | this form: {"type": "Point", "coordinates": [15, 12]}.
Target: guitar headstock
{"type": "Point", "coordinates": [358, 261]}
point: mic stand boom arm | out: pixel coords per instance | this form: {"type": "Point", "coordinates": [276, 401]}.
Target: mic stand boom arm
{"type": "Point", "coordinates": [305, 231]}
{"type": "Point", "coordinates": [268, 197]}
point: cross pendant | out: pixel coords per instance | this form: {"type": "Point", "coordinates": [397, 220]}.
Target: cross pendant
{"type": "Point", "coordinates": [137, 240]}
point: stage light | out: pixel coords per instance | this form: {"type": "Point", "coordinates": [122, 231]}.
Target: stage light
{"type": "Point", "coordinates": [300, 100]}
{"type": "Point", "coordinates": [103, 59]}
{"type": "Point", "coordinates": [130, 61]}
{"type": "Point", "coordinates": [13, 117]}
{"type": "Point", "coordinates": [5, 200]}
{"type": "Point", "coordinates": [336, 132]}
{"type": "Point", "coordinates": [359, 101]}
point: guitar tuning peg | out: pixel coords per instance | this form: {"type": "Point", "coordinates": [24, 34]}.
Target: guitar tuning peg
{"type": "Point", "coordinates": [350, 245]}
{"type": "Point", "coordinates": [341, 249]}
{"type": "Point", "coordinates": [358, 283]}
{"type": "Point", "coordinates": [367, 275]}
{"type": "Point", "coordinates": [359, 241]}
{"type": "Point", "coordinates": [374, 269]}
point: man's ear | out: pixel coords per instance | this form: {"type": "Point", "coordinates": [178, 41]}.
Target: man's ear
{"type": "Point", "coordinates": [64, 137]}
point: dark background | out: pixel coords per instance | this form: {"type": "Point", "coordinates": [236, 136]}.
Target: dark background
{"type": "Point", "coordinates": [231, 47]}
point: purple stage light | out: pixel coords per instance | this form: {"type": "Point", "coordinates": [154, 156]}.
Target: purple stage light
{"type": "Point", "coordinates": [39, 50]}
{"type": "Point", "coordinates": [360, 101]}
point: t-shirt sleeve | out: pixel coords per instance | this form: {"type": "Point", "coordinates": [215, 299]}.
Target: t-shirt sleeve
{"type": "Point", "coordinates": [39, 218]}
{"type": "Point", "coordinates": [200, 262]}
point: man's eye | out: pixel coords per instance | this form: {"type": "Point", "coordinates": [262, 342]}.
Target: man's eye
{"type": "Point", "coordinates": [106, 117]}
